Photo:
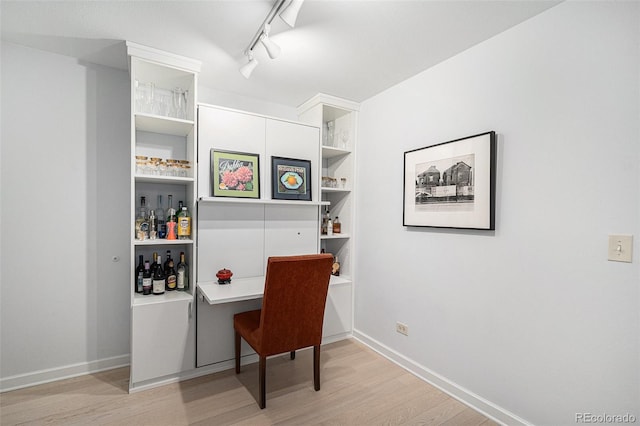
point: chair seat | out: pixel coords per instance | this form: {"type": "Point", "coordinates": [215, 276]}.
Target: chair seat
{"type": "Point", "coordinates": [248, 324]}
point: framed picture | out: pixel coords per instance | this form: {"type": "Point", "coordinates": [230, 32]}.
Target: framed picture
{"type": "Point", "coordinates": [235, 174]}
{"type": "Point", "coordinates": [290, 179]}
{"type": "Point", "coordinates": [451, 184]}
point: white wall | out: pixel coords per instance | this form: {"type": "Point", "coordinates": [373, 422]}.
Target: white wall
{"type": "Point", "coordinates": [65, 181]}
{"type": "Point", "coordinates": [65, 133]}
{"type": "Point", "coordinates": [531, 323]}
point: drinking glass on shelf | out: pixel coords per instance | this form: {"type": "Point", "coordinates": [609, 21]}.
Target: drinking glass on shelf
{"type": "Point", "coordinates": [330, 133]}
{"type": "Point", "coordinates": [149, 98]}
{"type": "Point", "coordinates": [344, 138]}
{"type": "Point", "coordinates": [179, 103]}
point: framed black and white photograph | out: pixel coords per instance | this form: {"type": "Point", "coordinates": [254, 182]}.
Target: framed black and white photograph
{"type": "Point", "coordinates": [290, 179]}
{"type": "Point", "coordinates": [451, 184]}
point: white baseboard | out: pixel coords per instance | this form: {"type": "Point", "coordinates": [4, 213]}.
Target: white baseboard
{"type": "Point", "coordinates": [52, 374]}
{"type": "Point", "coordinates": [487, 408]}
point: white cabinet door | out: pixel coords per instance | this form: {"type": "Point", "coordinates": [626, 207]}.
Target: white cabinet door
{"type": "Point", "coordinates": [337, 313]}
{"type": "Point", "coordinates": [163, 340]}
{"type": "Point", "coordinates": [215, 330]}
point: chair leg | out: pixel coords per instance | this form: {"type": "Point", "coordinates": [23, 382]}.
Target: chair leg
{"type": "Point", "coordinates": [237, 346]}
{"type": "Point", "coordinates": [263, 368]}
{"type": "Point", "coordinates": [316, 367]}
{"type": "Point", "coordinates": [293, 354]}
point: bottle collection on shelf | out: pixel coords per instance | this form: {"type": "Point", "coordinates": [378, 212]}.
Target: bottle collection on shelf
{"type": "Point", "coordinates": [157, 278]}
{"type": "Point", "coordinates": [153, 224]}
{"type": "Point", "coordinates": [328, 226]}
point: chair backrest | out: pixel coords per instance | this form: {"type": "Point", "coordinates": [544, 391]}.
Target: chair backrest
{"type": "Point", "coordinates": [295, 294]}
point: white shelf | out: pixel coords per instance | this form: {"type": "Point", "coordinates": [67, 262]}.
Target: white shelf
{"type": "Point", "coordinates": [162, 242]}
{"type": "Point", "coordinates": [163, 179]}
{"type": "Point", "coordinates": [340, 236]}
{"type": "Point", "coordinates": [339, 280]}
{"type": "Point", "coordinates": [224, 200]}
{"type": "Point", "coordinates": [330, 152]}
{"type": "Point", "coordinates": [165, 125]}
{"type": "Point", "coordinates": [167, 296]}
{"type": "Point", "coordinates": [327, 189]}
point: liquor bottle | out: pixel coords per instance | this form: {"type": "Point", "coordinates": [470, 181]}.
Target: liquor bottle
{"type": "Point", "coordinates": [146, 279]}
{"type": "Point", "coordinates": [170, 277]}
{"type": "Point", "coordinates": [337, 226]}
{"type": "Point", "coordinates": [158, 278]}
{"type": "Point", "coordinates": [325, 218]}
{"type": "Point", "coordinates": [139, 275]}
{"type": "Point", "coordinates": [142, 224]}
{"type": "Point", "coordinates": [182, 274]}
{"type": "Point", "coordinates": [335, 269]}
{"type": "Point", "coordinates": [153, 225]}
{"type": "Point", "coordinates": [184, 224]}
{"type": "Point", "coordinates": [329, 227]}
{"type": "Point", "coordinates": [162, 225]}
{"type": "Point", "coordinates": [172, 220]}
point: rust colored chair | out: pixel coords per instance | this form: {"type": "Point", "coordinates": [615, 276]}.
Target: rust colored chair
{"type": "Point", "coordinates": [295, 294]}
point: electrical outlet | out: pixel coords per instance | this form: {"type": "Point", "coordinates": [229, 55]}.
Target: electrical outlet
{"type": "Point", "coordinates": [402, 328]}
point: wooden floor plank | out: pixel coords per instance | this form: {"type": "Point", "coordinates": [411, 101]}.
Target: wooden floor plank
{"type": "Point", "coordinates": [358, 387]}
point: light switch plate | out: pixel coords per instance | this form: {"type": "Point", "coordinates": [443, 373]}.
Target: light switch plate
{"type": "Point", "coordinates": [620, 248]}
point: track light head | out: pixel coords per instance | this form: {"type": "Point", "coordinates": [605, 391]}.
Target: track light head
{"type": "Point", "coordinates": [290, 13]}
{"type": "Point", "coordinates": [248, 68]}
{"type": "Point", "coordinates": [273, 50]}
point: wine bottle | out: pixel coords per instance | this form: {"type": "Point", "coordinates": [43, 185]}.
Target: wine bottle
{"type": "Point", "coordinates": [162, 225]}
{"type": "Point", "coordinates": [182, 274]}
{"type": "Point", "coordinates": [146, 279]}
{"type": "Point", "coordinates": [171, 276]}
{"type": "Point", "coordinates": [139, 275]}
{"type": "Point", "coordinates": [155, 262]}
{"type": "Point", "coordinates": [184, 224]}
{"type": "Point", "coordinates": [166, 262]}
{"type": "Point", "coordinates": [158, 278]}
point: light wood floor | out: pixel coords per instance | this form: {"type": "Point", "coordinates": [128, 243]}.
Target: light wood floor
{"type": "Point", "coordinates": [358, 387]}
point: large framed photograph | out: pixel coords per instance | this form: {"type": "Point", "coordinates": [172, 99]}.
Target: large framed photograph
{"type": "Point", "coordinates": [235, 174]}
{"type": "Point", "coordinates": [451, 184]}
{"type": "Point", "coordinates": [290, 179]}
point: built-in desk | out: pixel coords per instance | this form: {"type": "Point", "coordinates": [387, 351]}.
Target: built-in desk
{"type": "Point", "coordinates": [242, 289]}
{"type": "Point", "coordinates": [239, 289]}
{"type": "Point", "coordinates": [218, 303]}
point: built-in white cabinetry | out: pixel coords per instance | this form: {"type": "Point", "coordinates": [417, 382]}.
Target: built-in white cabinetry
{"type": "Point", "coordinates": [337, 119]}
{"type": "Point", "coordinates": [163, 127]}
{"type": "Point", "coordinates": [241, 234]}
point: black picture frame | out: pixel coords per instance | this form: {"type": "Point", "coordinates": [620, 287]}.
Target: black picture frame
{"type": "Point", "coordinates": [451, 184]}
{"type": "Point", "coordinates": [290, 179]}
{"type": "Point", "coordinates": [235, 174]}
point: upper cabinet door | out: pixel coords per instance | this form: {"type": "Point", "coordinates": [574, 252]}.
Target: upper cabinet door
{"type": "Point", "coordinates": [227, 130]}
{"type": "Point", "coordinates": [297, 141]}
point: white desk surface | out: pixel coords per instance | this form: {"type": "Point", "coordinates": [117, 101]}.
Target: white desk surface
{"type": "Point", "coordinates": [238, 289]}
{"type": "Point", "coordinates": [243, 289]}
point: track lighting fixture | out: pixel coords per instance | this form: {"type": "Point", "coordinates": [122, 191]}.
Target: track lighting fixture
{"type": "Point", "coordinates": [248, 68]}
{"type": "Point", "coordinates": [288, 11]}
{"type": "Point", "coordinates": [273, 50]}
